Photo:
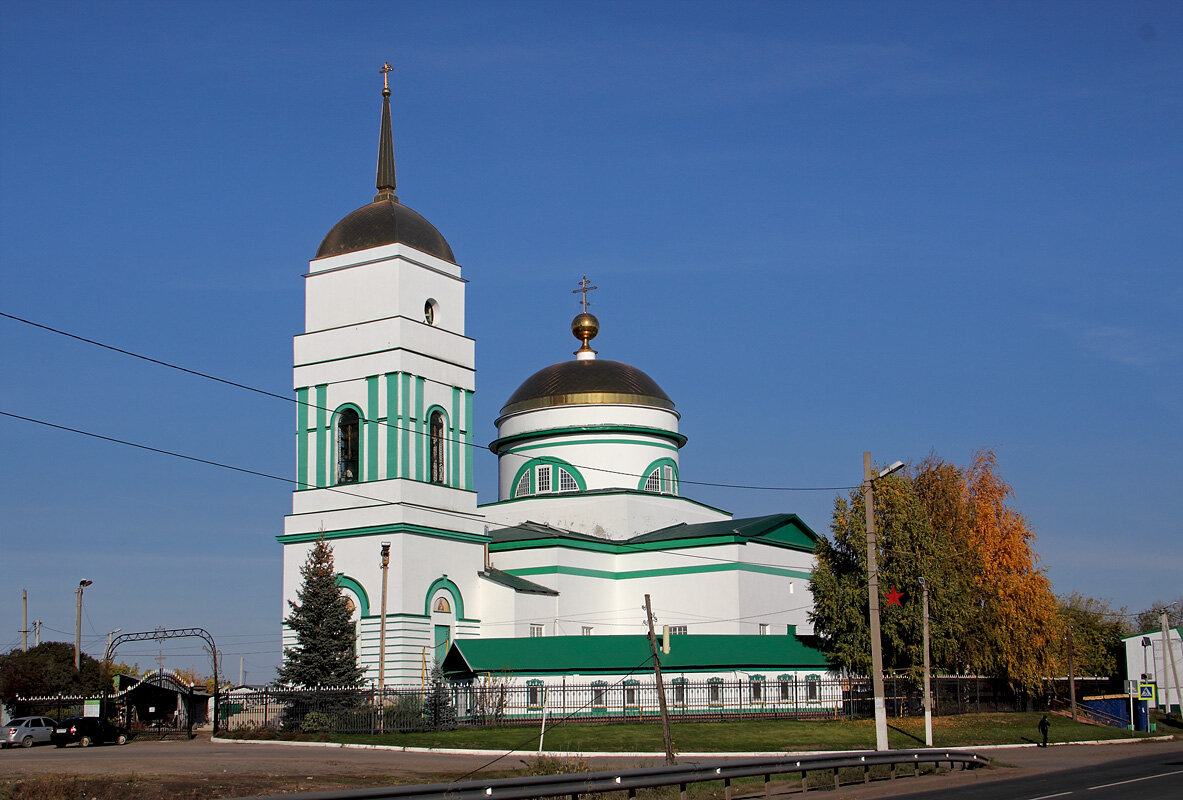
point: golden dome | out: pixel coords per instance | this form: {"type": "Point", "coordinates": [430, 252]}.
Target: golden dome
{"type": "Point", "coordinates": [585, 327]}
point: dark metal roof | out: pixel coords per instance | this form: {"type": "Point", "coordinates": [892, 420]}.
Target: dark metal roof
{"type": "Point", "coordinates": [587, 382]}
{"type": "Point", "coordinates": [514, 582]}
{"type": "Point", "coordinates": [384, 222]}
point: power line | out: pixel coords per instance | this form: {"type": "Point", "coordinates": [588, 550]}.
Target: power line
{"type": "Point", "coordinates": [386, 423]}
{"type": "Point", "coordinates": [378, 500]}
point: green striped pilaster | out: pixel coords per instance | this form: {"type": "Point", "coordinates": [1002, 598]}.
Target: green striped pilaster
{"type": "Point", "coordinates": [301, 439]}
{"type": "Point", "coordinates": [372, 415]}
{"type": "Point", "coordinates": [404, 425]}
{"type": "Point", "coordinates": [391, 425]}
{"type": "Point", "coordinates": [322, 430]}
{"type": "Point", "coordinates": [454, 437]}
{"type": "Point", "coordinates": [420, 428]}
{"type": "Point", "coordinates": [468, 441]}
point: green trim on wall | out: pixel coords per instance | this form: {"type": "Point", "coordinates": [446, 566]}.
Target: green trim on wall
{"type": "Point", "coordinates": [421, 427]}
{"type": "Point", "coordinates": [391, 425]}
{"type": "Point", "coordinates": [657, 573]}
{"type": "Point", "coordinates": [641, 430]}
{"type": "Point", "coordinates": [322, 430]}
{"type": "Point", "coordinates": [372, 428]}
{"type": "Point", "coordinates": [554, 462]}
{"type": "Point", "coordinates": [454, 440]}
{"type": "Point", "coordinates": [302, 438]}
{"type": "Point", "coordinates": [524, 447]}
{"type": "Point", "coordinates": [658, 464]}
{"type": "Point", "coordinates": [405, 425]}
{"type": "Point", "coordinates": [398, 527]}
{"type": "Point", "coordinates": [442, 582]}
{"type": "Point", "coordinates": [469, 445]}
{"type": "Point", "coordinates": [352, 585]}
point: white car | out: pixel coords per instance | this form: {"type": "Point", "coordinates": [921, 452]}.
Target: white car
{"type": "Point", "coordinates": [26, 731]}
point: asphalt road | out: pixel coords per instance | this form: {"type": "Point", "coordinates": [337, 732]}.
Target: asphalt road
{"type": "Point", "coordinates": [1145, 770]}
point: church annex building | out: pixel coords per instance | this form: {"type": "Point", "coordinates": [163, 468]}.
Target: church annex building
{"type": "Point", "coordinates": [548, 582]}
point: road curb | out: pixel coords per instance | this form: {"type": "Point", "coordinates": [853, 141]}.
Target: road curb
{"type": "Point", "coordinates": [453, 751]}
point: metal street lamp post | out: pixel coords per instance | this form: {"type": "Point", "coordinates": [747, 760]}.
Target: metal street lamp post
{"type": "Point", "coordinates": [78, 627]}
{"type": "Point", "coordinates": [382, 634]}
{"type": "Point", "coordinates": [869, 478]}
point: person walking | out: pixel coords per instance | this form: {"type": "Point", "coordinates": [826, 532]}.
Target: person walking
{"type": "Point", "coordinates": [1043, 728]}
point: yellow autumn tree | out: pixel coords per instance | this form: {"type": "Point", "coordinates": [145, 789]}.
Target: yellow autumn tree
{"type": "Point", "coordinates": [1018, 631]}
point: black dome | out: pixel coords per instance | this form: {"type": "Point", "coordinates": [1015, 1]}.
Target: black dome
{"type": "Point", "coordinates": [585, 382]}
{"type": "Point", "coordinates": [384, 222]}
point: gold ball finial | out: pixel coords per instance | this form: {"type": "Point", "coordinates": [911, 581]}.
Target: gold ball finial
{"type": "Point", "coordinates": [584, 327]}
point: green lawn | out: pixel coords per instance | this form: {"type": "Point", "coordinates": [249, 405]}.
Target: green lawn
{"type": "Point", "coordinates": [755, 735]}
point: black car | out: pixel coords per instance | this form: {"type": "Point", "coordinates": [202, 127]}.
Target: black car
{"type": "Point", "coordinates": [87, 731]}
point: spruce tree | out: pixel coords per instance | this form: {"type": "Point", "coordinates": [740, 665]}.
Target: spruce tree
{"type": "Point", "coordinates": [326, 642]}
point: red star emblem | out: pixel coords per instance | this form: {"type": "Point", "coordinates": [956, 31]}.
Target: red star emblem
{"type": "Point", "coordinates": [893, 597]}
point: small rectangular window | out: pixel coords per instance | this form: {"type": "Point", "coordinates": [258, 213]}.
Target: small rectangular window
{"type": "Point", "coordinates": [677, 630]}
{"type": "Point", "coordinates": [535, 695]}
{"type": "Point", "coordinates": [811, 688]}
{"type": "Point", "coordinates": [536, 631]}
{"type": "Point", "coordinates": [757, 691]}
{"type": "Point", "coordinates": [784, 690]}
{"type": "Point", "coordinates": [680, 693]}
{"type": "Point", "coordinates": [763, 628]}
{"type": "Point", "coordinates": [667, 479]}
{"type": "Point", "coordinates": [630, 696]}
{"type": "Point", "coordinates": [715, 693]}
{"type": "Point", "coordinates": [586, 630]}
{"type": "Point", "coordinates": [598, 696]}
{"type": "Point", "coordinates": [543, 479]}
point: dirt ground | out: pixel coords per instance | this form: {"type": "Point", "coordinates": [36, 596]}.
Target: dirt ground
{"type": "Point", "coordinates": [202, 770]}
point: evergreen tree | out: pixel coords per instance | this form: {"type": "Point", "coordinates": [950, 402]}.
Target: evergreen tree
{"type": "Point", "coordinates": [326, 643]}
{"type": "Point", "coordinates": [437, 708]}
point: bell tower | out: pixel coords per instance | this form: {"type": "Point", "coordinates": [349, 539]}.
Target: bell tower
{"type": "Point", "coordinates": [384, 379]}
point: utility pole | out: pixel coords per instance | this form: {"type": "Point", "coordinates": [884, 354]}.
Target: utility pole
{"type": "Point", "coordinates": [78, 626]}
{"type": "Point", "coordinates": [927, 673]}
{"type": "Point", "coordinates": [107, 655]}
{"type": "Point", "coordinates": [873, 605]}
{"type": "Point", "coordinates": [1071, 674]}
{"type": "Point", "coordinates": [25, 620]}
{"type": "Point", "coordinates": [36, 633]}
{"type": "Point", "coordinates": [241, 671]}
{"type": "Point", "coordinates": [665, 712]}
{"type": "Point", "coordinates": [382, 640]}
{"type": "Point", "coordinates": [1169, 651]}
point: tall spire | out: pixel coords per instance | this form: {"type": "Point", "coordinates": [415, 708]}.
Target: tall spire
{"type": "Point", "coordinates": [386, 183]}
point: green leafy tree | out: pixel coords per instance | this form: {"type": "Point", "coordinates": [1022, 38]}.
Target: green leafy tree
{"type": "Point", "coordinates": [48, 669]}
{"type": "Point", "coordinates": [1097, 630]}
{"type": "Point", "coordinates": [326, 642]}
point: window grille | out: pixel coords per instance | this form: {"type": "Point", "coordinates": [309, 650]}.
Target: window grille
{"type": "Point", "coordinates": [785, 694]}
{"type": "Point", "coordinates": [566, 482]}
{"type": "Point", "coordinates": [543, 482]}
{"type": "Point", "coordinates": [677, 630]}
{"type": "Point", "coordinates": [667, 474]}
{"type": "Point", "coordinates": [536, 631]}
{"type": "Point", "coordinates": [587, 630]}
{"type": "Point", "coordinates": [757, 690]}
{"type": "Point", "coordinates": [347, 446]}
{"type": "Point", "coordinates": [653, 482]}
{"type": "Point", "coordinates": [812, 684]}
{"type": "Point", "coordinates": [436, 447]}
{"type": "Point", "coordinates": [523, 487]}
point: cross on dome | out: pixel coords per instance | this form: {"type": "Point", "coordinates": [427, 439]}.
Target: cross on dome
{"type": "Point", "coordinates": [584, 288]}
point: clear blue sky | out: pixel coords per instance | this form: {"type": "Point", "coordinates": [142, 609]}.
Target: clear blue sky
{"type": "Point", "coordinates": [823, 228]}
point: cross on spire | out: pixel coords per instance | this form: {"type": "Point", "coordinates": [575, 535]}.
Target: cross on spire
{"type": "Point", "coordinates": [386, 70]}
{"type": "Point", "coordinates": [584, 287]}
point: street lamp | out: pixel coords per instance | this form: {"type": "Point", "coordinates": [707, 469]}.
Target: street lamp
{"type": "Point", "coordinates": [869, 478]}
{"type": "Point", "coordinates": [78, 627]}
{"type": "Point", "coordinates": [1145, 666]}
{"type": "Point", "coordinates": [382, 641]}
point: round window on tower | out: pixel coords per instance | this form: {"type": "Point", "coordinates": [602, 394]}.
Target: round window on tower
{"type": "Point", "coordinates": [429, 309]}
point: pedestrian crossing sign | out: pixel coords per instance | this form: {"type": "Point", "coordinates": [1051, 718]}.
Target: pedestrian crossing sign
{"type": "Point", "coordinates": [1146, 692]}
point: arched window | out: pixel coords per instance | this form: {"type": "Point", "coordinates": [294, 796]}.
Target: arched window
{"type": "Point", "coordinates": [660, 477]}
{"type": "Point", "coordinates": [348, 440]}
{"type": "Point", "coordinates": [547, 476]}
{"type": "Point", "coordinates": [436, 448]}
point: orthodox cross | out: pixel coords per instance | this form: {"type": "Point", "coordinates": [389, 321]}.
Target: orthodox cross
{"type": "Point", "coordinates": [584, 288]}
{"type": "Point", "coordinates": [386, 70]}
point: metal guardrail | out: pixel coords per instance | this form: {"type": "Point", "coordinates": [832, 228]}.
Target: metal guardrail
{"type": "Point", "coordinates": [630, 780]}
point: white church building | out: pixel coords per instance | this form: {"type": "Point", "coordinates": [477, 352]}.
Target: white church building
{"type": "Point", "coordinates": [590, 514]}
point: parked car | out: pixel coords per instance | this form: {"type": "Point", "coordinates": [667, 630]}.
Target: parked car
{"type": "Point", "coordinates": [26, 731]}
{"type": "Point", "coordinates": [87, 731]}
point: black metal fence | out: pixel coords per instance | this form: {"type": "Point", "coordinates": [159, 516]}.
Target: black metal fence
{"type": "Point", "coordinates": [525, 702]}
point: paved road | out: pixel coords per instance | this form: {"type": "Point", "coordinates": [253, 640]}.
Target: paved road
{"type": "Point", "coordinates": [1092, 772]}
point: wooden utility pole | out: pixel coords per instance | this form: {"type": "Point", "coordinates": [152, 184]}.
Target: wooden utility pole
{"type": "Point", "coordinates": [927, 673]}
{"type": "Point", "coordinates": [24, 620]}
{"type": "Point", "coordinates": [665, 712]}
